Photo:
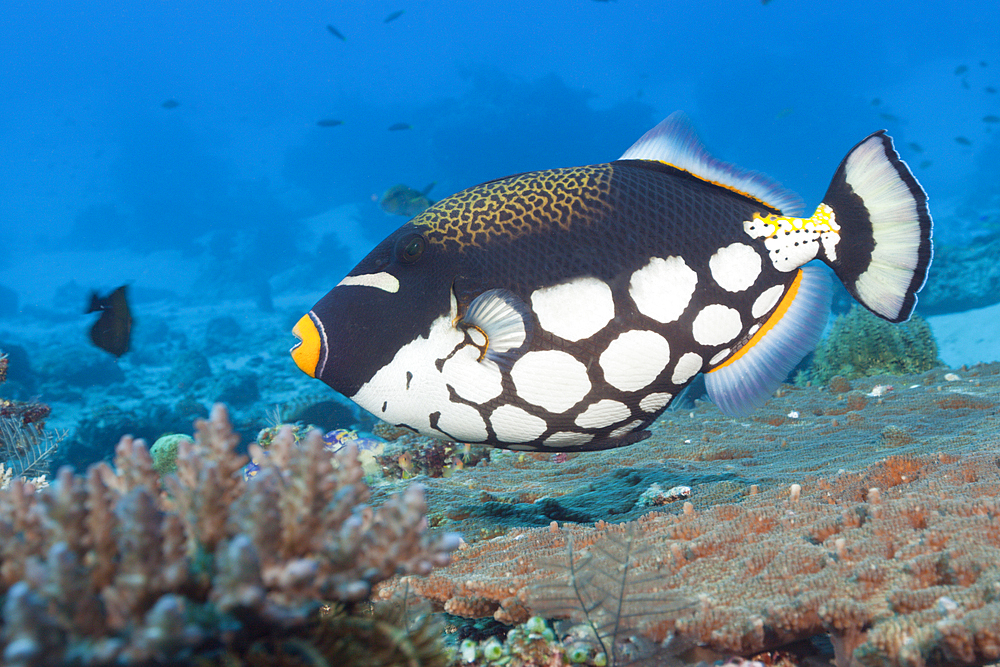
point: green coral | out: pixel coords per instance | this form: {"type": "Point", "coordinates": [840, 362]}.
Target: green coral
{"type": "Point", "coordinates": [861, 344]}
{"type": "Point", "coordinates": [164, 452]}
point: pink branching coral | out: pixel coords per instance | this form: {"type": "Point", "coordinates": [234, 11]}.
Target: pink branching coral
{"type": "Point", "coordinates": [114, 567]}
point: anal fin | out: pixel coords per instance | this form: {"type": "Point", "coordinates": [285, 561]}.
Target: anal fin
{"type": "Point", "coordinates": [747, 379]}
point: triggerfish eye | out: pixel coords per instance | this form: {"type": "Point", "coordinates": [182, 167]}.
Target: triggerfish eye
{"type": "Point", "coordinates": [410, 248]}
{"type": "Point", "coordinates": [307, 351]}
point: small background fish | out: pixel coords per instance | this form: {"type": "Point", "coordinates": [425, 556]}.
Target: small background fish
{"type": "Point", "coordinates": [112, 332]}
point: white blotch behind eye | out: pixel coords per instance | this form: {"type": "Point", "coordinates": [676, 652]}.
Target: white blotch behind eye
{"type": "Point", "coordinates": [383, 281]}
{"type": "Point", "coordinates": [735, 267]}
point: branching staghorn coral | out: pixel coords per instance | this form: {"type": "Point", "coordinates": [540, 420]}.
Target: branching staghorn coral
{"type": "Point", "coordinates": [113, 568]}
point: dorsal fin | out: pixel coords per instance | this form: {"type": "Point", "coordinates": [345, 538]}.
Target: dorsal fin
{"type": "Point", "coordinates": [674, 142]}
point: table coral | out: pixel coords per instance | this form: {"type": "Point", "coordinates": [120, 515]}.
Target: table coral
{"type": "Point", "coordinates": [111, 568]}
{"type": "Point", "coordinates": [906, 576]}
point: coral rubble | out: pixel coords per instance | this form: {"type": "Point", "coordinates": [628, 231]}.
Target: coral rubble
{"type": "Point", "coordinates": [120, 566]}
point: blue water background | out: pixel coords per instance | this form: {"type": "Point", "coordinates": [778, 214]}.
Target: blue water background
{"type": "Point", "coordinates": [91, 160]}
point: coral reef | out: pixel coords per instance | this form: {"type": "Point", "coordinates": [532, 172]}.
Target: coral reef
{"type": "Point", "coordinates": [120, 566]}
{"type": "Point", "coordinates": [899, 563]}
{"type": "Point", "coordinates": [164, 452]}
{"type": "Point", "coordinates": [26, 447]}
{"type": "Point", "coordinates": [962, 278]}
{"type": "Point", "coordinates": [860, 344]}
{"type": "Point", "coordinates": [409, 455]}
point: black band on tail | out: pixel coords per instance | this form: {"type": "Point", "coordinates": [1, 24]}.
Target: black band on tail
{"type": "Point", "coordinates": [885, 248]}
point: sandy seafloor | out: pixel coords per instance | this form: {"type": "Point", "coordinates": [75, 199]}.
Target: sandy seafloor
{"type": "Point", "coordinates": [53, 333]}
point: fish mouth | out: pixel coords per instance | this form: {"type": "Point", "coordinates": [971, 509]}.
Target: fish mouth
{"type": "Point", "coordinates": [307, 351]}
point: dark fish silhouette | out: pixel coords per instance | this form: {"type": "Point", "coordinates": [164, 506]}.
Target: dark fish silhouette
{"type": "Point", "coordinates": [404, 200]}
{"type": "Point", "coordinates": [392, 17]}
{"type": "Point", "coordinates": [915, 147]}
{"type": "Point", "coordinates": [961, 69]}
{"type": "Point", "coordinates": [170, 104]}
{"type": "Point", "coordinates": [990, 89]}
{"type": "Point", "coordinates": [991, 119]}
{"type": "Point", "coordinates": [963, 141]}
{"type": "Point", "coordinates": [888, 117]}
{"type": "Point", "coordinates": [112, 332]}
{"type": "Point", "coordinates": [329, 122]}
{"type": "Point", "coordinates": [335, 33]}
{"type": "Point", "coordinates": [400, 126]}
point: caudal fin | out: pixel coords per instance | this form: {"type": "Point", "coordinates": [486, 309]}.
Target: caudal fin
{"type": "Point", "coordinates": [884, 247]}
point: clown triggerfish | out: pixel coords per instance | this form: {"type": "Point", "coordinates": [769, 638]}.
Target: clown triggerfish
{"type": "Point", "coordinates": [564, 309]}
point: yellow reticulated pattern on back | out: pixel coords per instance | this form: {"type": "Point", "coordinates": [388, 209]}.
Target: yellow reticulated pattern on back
{"type": "Point", "coordinates": [518, 205]}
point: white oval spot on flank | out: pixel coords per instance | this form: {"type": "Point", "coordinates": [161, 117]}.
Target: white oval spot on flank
{"type": "Point", "coordinates": [716, 324]}
{"type": "Point", "coordinates": [735, 267]}
{"type": "Point", "coordinates": [574, 310]}
{"type": "Point", "coordinates": [634, 359]}
{"type": "Point", "coordinates": [663, 288]}
{"type": "Point", "coordinates": [603, 413]}
{"type": "Point", "coordinates": [655, 401]}
{"type": "Point", "coordinates": [767, 300]}
{"type": "Point", "coordinates": [383, 281]}
{"type": "Point", "coordinates": [687, 367]}
{"type": "Point", "coordinates": [552, 379]}
{"type": "Point", "coordinates": [513, 424]}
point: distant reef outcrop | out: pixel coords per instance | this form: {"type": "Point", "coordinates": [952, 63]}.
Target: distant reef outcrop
{"type": "Point", "coordinates": [962, 278]}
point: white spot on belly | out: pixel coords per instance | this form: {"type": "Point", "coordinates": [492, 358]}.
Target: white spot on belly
{"type": "Point", "coordinates": [512, 424]}
{"type": "Point", "coordinates": [719, 357]}
{"type": "Point", "coordinates": [567, 439]}
{"type": "Point", "coordinates": [663, 288]}
{"type": "Point", "coordinates": [574, 310]}
{"type": "Point", "coordinates": [634, 359]}
{"type": "Point", "coordinates": [717, 324]}
{"type": "Point", "coordinates": [383, 281]}
{"type": "Point", "coordinates": [735, 267]}
{"type": "Point", "coordinates": [552, 379]}
{"type": "Point", "coordinates": [687, 367]}
{"type": "Point", "coordinates": [622, 430]}
{"type": "Point", "coordinates": [767, 300]}
{"type": "Point", "coordinates": [462, 422]}
{"type": "Point", "coordinates": [655, 401]}
{"type": "Point", "coordinates": [603, 413]}
{"type": "Point", "coordinates": [473, 380]}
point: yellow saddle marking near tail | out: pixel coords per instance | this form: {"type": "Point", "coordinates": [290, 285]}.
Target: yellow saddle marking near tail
{"type": "Point", "coordinates": [779, 312]}
{"type": "Point", "coordinates": [822, 221]}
